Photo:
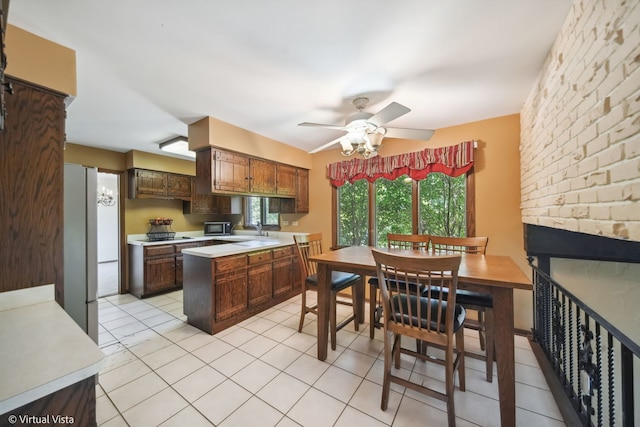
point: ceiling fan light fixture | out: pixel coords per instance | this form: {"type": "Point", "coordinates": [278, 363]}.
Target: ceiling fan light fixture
{"type": "Point", "coordinates": [347, 147]}
{"type": "Point", "coordinates": [375, 138]}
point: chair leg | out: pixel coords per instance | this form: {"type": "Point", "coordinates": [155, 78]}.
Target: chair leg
{"type": "Point", "coordinates": [490, 345]}
{"type": "Point", "coordinates": [461, 364]}
{"type": "Point", "coordinates": [397, 344]}
{"type": "Point", "coordinates": [482, 329]}
{"type": "Point", "coordinates": [354, 303]}
{"type": "Point", "coordinates": [449, 384]}
{"type": "Point", "coordinates": [332, 319]}
{"type": "Point", "coordinates": [386, 382]}
{"type": "Point", "coordinates": [373, 305]}
{"type": "Point", "coordinates": [303, 311]}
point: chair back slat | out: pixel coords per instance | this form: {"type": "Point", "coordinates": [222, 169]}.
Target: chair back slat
{"type": "Point", "coordinates": [405, 282]}
{"type": "Point", "coordinates": [408, 241]}
{"type": "Point", "coordinates": [470, 245]}
{"type": "Point", "coordinates": [308, 245]}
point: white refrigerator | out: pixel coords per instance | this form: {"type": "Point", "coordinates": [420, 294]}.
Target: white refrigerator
{"type": "Point", "coordinates": [81, 246]}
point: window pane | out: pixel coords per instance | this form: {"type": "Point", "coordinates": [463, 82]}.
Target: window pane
{"type": "Point", "coordinates": [442, 207]}
{"type": "Point", "coordinates": [269, 218]}
{"type": "Point", "coordinates": [353, 213]}
{"type": "Point", "coordinates": [393, 208]}
{"type": "Point", "coordinates": [253, 210]}
{"type": "Point", "coordinates": [258, 211]}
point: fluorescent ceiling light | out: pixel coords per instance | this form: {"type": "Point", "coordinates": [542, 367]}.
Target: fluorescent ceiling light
{"type": "Point", "coordinates": [178, 145]}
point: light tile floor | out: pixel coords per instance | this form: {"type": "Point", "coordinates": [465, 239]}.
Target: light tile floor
{"type": "Point", "coordinates": [159, 370]}
{"type": "Point", "coordinates": [108, 278]}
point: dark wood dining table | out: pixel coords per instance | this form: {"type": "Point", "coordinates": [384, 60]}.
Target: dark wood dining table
{"type": "Point", "coordinates": [492, 274]}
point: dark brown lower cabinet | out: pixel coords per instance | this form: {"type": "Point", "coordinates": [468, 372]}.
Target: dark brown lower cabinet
{"type": "Point", "coordinates": [231, 286]}
{"type": "Point", "coordinates": [221, 292]}
{"type": "Point", "coordinates": [260, 288]}
{"type": "Point", "coordinates": [284, 268]}
{"type": "Point", "coordinates": [157, 268]}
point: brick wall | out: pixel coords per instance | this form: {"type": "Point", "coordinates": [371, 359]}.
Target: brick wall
{"type": "Point", "coordinates": [580, 125]}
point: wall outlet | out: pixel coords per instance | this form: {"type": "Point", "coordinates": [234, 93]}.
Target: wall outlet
{"type": "Point", "coordinates": [285, 222]}
{"type": "Point", "coordinates": [294, 223]}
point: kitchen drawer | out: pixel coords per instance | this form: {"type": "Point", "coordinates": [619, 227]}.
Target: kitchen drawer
{"type": "Point", "coordinates": [258, 257]}
{"type": "Point", "coordinates": [150, 251]}
{"type": "Point", "coordinates": [230, 264]}
{"type": "Point", "coordinates": [180, 246]}
{"type": "Point", "coordinates": [282, 252]}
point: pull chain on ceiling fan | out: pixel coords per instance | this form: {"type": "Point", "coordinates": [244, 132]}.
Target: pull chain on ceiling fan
{"type": "Point", "coordinates": [365, 131]}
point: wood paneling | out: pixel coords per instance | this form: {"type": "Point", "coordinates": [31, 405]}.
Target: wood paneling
{"type": "Point", "coordinates": [286, 180]}
{"type": "Point", "coordinates": [77, 402]}
{"type": "Point", "coordinates": [31, 189]}
{"type": "Point", "coordinates": [263, 176]}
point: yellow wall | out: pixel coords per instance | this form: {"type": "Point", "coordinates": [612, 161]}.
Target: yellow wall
{"type": "Point", "coordinates": [138, 211]}
{"type": "Point", "coordinates": [497, 168]}
{"type": "Point", "coordinates": [156, 162]}
{"type": "Point", "coordinates": [40, 61]}
{"type": "Point", "coordinates": [213, 132]}
{"type": "Point", "coordinates": [94, 157]}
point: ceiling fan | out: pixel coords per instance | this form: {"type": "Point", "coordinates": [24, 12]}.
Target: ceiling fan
{"type": "Point", "coordinates": [365, 131]}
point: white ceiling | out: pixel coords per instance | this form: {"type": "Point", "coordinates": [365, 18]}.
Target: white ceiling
{"type": "Point", "coordinates": [148, 68]}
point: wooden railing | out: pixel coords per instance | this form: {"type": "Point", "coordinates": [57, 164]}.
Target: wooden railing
{"type": "Point", "coordinates": [592, 360]}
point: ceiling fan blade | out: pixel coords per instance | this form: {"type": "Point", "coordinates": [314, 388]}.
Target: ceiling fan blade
{"type": "Point", "coordinates": [322, 125]}
{"type": "Point", "coordinates": [406, 133]}
{"type": "Point", "coordinates": [327, 145]}
{"type": "Point", "coordinates": [388, 113]}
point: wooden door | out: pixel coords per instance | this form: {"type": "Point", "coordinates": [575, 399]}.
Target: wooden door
{"type": "Point", "coordinates": [230, 282]}
{"type": "Point", "coordinates": [282, 276]}
{"type": "Point", "coordinates": [231, 172]}
{"type": "Point", "coordinates": [31, 183]}
{"type": "Point", "coordinates": [301, 202]}
{"type": "Point", "coordinates": [259, 283]}
{"type": "Point", "coordinates": [178, 186]}
{"type": "Point", "coordinates": [150, 182]}
{"type": "Point", "coordinates": [159, 274]}
{"type": "Point", "coordinates": [223, 204]}
{"type": "Point", "coordinates": [179, 259]}
{"type": "Point", "coordinates": [263, 176]}
{"type": "Point", "coordinates": [302, 191]}
{"type": "Point", "coordinates": [285, 180]}
{"type": "Point", "coordinates": [230, 295]}
{"type": "Point", "coordinates": [199, 203]}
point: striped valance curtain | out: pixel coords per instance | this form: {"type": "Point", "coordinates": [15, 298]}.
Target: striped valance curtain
{"type": "Point", "coordinates": [454, 160]}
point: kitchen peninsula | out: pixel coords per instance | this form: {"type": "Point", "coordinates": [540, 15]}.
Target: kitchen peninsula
{"type": "Point", "coordinates": [225, 284]}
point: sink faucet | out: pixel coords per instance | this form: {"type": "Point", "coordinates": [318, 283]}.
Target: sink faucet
{"type": "Point", "coordinates": [259, 228]}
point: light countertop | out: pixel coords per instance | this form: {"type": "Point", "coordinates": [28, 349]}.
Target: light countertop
{"type": "Point", "coordinates": [239, 242]}
{"type": "Point", "coordinates": [43, 350]}
{"type": "Point", "coordinates": [242, 244]}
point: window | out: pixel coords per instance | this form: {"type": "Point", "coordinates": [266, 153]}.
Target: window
{"type": "Point", "coordinates": [393, 208]}
{"type": "Point", "coordinates": [439, 205]}
{"type": "Point", "coordinates": [442, 205]}
{"type": "Point", "coordinates": [257, 210]}
{"type": "Point", "coordinates": [353, 214]}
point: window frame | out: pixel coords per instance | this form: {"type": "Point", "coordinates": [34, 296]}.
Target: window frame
{"type": "Point", "coordinates": [470, 184]}
{"type": "Point", "coordinates": [263, 213]}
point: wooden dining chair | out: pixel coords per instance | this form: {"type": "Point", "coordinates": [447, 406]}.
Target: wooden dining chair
{"type": "Point", "coordinates": [412, 311]}
{"type": "Point", "coordinates": [480, 302]}
{"type": "Point", "coordinates": [394, 240]}
{"type": "Point", "coordinates": [309, 245]}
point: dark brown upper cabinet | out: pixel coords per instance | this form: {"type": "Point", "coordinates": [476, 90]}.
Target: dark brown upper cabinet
{"type": "Point", "coordinates": [147, 184]}
{"type": "Point", "coordinates": [225, 172]}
